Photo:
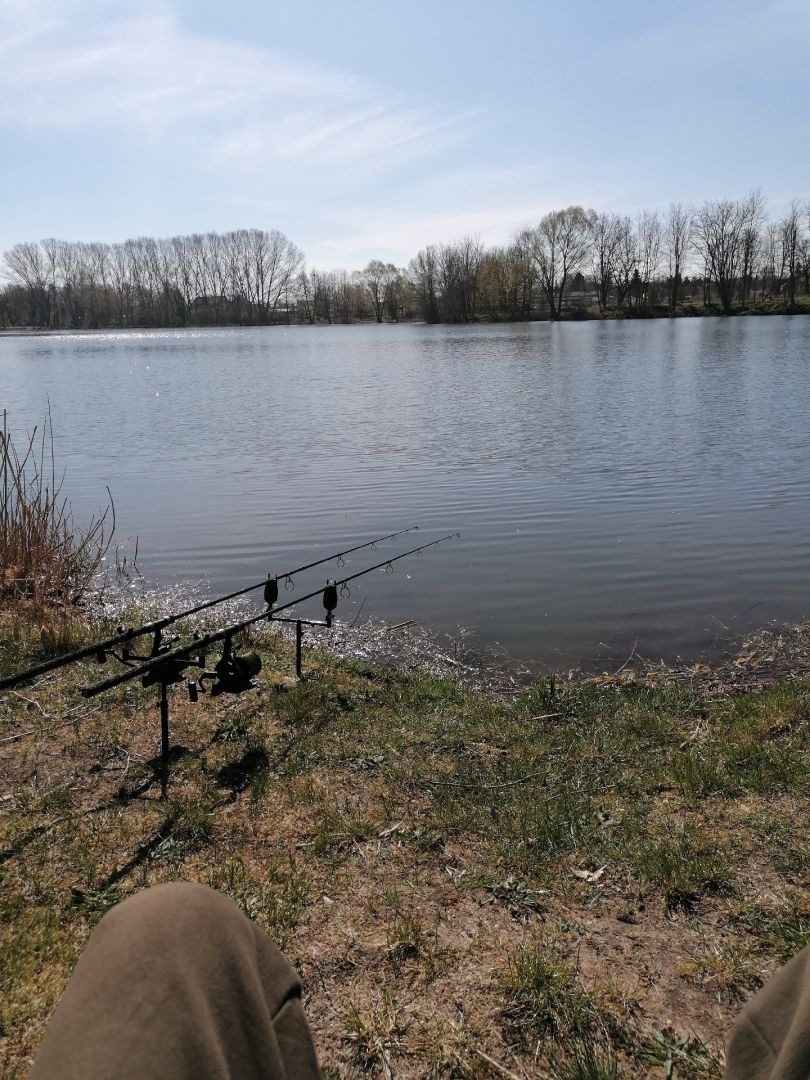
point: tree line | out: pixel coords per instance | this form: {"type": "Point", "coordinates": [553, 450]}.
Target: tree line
{"type": "Point", "coordinates": [724, 255]}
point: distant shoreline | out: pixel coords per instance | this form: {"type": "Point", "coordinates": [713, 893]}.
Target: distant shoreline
{"type": "Point", "coordinates": [574, 315]}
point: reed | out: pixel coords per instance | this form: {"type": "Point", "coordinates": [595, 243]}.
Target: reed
{"type": "Point", "coordinates": [47, 561]}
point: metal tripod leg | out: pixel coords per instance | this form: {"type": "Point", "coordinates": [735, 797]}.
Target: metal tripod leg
{"type": "Point", "coordinates": [164, 740]}
{"type": "Point", "coordinates": [299, 637]}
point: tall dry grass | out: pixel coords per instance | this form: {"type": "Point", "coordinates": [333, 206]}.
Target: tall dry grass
{"type": "Point", "coordinates": [47, 561]}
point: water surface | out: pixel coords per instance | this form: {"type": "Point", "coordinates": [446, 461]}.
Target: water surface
{"type": "Point", "coordinates": [614, 482]}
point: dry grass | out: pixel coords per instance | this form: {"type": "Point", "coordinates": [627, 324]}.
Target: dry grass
{"type": "Point", "coordinates": [467, 891]}
{"type": "Point", "coordinates": [46, 562]}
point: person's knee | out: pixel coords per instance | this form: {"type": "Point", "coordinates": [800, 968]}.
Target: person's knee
{"type": "Point", "coordinates": [173, 900]}
{"type": "Point", "coordinates": [165, 916]}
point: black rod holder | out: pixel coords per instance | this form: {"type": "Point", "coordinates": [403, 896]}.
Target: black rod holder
{"type": "Point", "coordinates": [101, 649]}
{"type": "Point", "coordinates": [243, 624]}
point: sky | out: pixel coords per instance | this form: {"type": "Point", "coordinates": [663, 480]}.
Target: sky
{"type": "Point", "coordinates": [367, 130]}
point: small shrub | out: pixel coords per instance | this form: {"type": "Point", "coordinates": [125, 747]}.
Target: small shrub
{"type": "Point", "coordinates": [273, 895]}
{"type": "Point", "coordinates": [231, 729]}
{"type": "Point", "coordinates": [340, 827]}
{"type": "Point", "coordinates": [542, 697]}
{"type": "Point", "coordinates": [698, 772]}
{"type": "Point", "coordinates": [725, 970]}
{"type": "Point", "coordinates": [97, 901]}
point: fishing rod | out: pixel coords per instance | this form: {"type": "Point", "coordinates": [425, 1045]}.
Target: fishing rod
{"type": "Point", "coordinates": [174, 660]}
{"type": "Point", "coordinates": [100, 649]}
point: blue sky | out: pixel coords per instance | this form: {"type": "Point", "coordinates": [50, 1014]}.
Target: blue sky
{"type": "Point", "coordinates": [366, 130]}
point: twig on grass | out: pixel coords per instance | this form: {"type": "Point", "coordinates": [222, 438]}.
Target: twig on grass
{"type": "Point", "coordinates": [357, 615]}
{"type": "Point", "coordinates": [629, 658]}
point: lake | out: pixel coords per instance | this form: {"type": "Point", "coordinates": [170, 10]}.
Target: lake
{"type": "Point", "coordinates": [614, 482]}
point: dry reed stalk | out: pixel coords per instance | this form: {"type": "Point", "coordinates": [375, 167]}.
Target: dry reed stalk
{"type": "Point", "coordinates": [46, 561]}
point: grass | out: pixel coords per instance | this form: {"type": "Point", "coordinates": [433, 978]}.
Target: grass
{"type": "Point", "coordinates": [584, 880]}
{"type": "Point", "coordinates": [273, 895]}
{"type": "Point", "coordinates": [376, 1028]}
{"type": "Point", "coordinates": [683, 864]}
{"type": "Point", "coordinates": [544, 996]}
{"type": "Point", "coordinates": [586, 1060]}
{"type": "Point", "coordinates": [684, 1056]}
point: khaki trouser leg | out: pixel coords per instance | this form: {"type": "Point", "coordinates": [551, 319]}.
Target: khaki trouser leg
{"type": "Point", "coordinates": [177, 983]}
{"type": "Point", "coordinates": [770, 1039]}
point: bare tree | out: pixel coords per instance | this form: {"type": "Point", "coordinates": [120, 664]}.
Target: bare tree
{"type": "Point", "coordinates": [753, 221]}
{"type": "Point", "coordinates": [451, 284]}
{"type": "Point", "coordinates": [345, 297]}
{"type": "Point", "coordinates": [424, 276]}
{"type": "Point", "coordinates": [377, 278]}
{"type": "Point", "coordinates": [626, 262]}
{"type": "Point", "coordinates": [323, 291]}
{"type": "Point", "coordinates": [558, 247]}
{"type": "Point", "coordinates": [395, 296]}
{"type": "Point", "coordinates": [459, 267]}
{"type": "Point", "coordinates": [772, 267]}
{"type": "Point", "coordinates": [253, 275]}
{"type": "Point", "coordinates": [277, 265]}
{"type": "Point", "coordinates": [306, 300]}
{"type": "Point", "coordinates": [790, 233]}
{"type": "Point", "coordinates": [804, 253]}
{"type": "Point", "coordinates": [678, 238]}
{"type": "Point", "coordinates": [725, 232]}
{"type": "Point", "coordinates": [650, 241]}
{"type": "Point", "coordinates": [26, 265]}
{"type": "Point", "coordinates": [606, 241]}
{"type": "Point", "coordinates": [505, 283]}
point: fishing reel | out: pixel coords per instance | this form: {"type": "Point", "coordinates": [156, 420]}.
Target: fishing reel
{"type": "Point", "coordinates": [170, 671]}
{"type": "Point", "coordinates": [232, 674]}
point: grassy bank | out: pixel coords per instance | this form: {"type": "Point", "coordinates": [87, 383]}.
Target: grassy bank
{"type": "Point", "coordinates": [579, 880]}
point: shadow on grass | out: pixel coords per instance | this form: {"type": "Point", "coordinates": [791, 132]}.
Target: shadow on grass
{"type": "Point", "coordinates": [239, 775]}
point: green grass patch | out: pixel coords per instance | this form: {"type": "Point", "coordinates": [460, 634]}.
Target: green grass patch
{"type": "Point", "coordinates": [543, 995]}
{"type": "Point", "coordinates": [684, 864]}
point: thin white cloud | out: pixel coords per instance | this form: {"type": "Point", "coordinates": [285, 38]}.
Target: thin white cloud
{"type": "Point", "coordinates": [359, 135]}
{"type": "Point", "coordinates": [245, 105]}
{"type": "Point", "coordinates": [492, 202]}
{"type": "Point", "coordinates": [396, 234]}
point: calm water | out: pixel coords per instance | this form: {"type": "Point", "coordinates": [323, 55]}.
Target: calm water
{"type": "Point", "coordinates": [612, 481]}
